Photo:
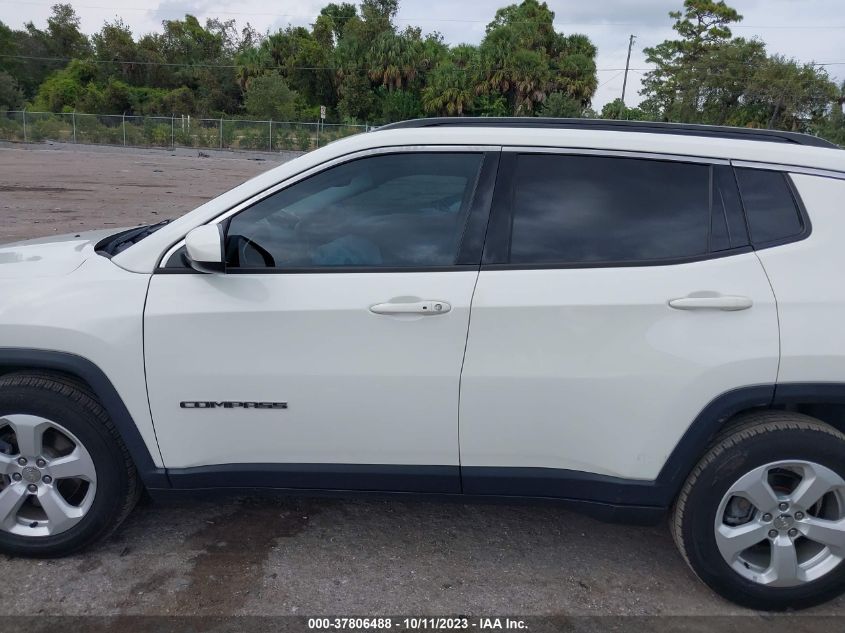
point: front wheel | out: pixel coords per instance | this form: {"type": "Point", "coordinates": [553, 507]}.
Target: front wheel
{"type": "Point", "coordinates": [66, 479]}
{"type": "Point", "coordinates": [761, 519]}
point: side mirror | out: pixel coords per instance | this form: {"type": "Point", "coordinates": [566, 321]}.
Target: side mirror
{"type": "Point", "coordinates": [204, 249]}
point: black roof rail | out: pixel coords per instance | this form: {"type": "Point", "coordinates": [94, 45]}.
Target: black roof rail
{"type": "Point", "coordinates": [650, 127]}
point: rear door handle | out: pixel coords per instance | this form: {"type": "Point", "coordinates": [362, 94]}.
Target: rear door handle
{"type": "Point", "coordinates": [728, 303]}
{"type": "Point", "coordinates": [415, 307]}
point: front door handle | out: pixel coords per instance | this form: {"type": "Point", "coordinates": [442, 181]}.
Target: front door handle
{"type": "Point", "coordinates": [433, 307]}
{"type": "Point", "coordinates": [728, 303]}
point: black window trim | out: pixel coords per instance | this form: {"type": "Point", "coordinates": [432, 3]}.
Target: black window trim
{"type": "Point", "coordinates": [497, 246]}
{"type": "Point", "coordinates": [476, 222]}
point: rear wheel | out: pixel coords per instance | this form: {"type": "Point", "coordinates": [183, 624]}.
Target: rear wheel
{"type": "Point", "coordinates": [761, 519]}
{"type": "Point", "coordinates": [66, 479]}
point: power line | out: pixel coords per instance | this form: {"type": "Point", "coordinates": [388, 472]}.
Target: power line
{"type": "Point", "coordinates": [604, 83]}
{"type": "Point", "coordinates": [341, 68]}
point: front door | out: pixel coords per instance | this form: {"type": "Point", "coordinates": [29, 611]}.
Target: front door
{"type": "Point", "coordinates": [328, 355]}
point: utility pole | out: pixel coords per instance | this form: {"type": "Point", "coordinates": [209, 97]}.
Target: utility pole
{"type": "Point", "coordinates": [627, 64]}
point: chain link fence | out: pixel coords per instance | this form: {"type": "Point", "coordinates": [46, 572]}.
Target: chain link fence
{"type": "Point", "coordinates": [169, 132]}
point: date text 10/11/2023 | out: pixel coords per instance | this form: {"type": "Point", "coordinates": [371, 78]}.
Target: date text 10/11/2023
{"type": "Point", "coordinates": [416, 623]}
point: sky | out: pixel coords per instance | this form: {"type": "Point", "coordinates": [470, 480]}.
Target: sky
{"type": "Point", "coordinates": [809, 30]}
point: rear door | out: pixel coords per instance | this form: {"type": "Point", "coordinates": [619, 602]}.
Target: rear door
{"type": "Point", "coordinates": [618, 296]}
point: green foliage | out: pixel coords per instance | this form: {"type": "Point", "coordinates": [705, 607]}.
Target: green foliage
{"type": "Point", "coordinates": [57, 128]}
{"type": "Point", "coordinates": [67, 88]}
{"type": "Point", "coordinates": [11, 96]}
{"type": "Point", "coordinates": [708, 76]}
{"type": "Point", "coordinates": [400, 105]}
{"type": "Point", "coordinates": [356, 62]}
{"type": "Point", "coordinates": [335, 16]}
{"type": "Point", "coordinates": [65, 38]}
{"type": "Point", "coordinates": [62, 38]}
{"type": "Point", "coordinates": [114, 44]}
{"type": "Point", "coordinates": [833, 128]}
{"type": "Point", "coordinates": [353, 60]}
{"type": "Point", "coordinates": [268, 97]}
{"type": "Point", "coordinates": [357, 98]}
{"type": "Point", "coordinates": [559, 104]}
{"type": "Point", "coordinates": [524, 59]}
{"type": "Point", "coordinates": [452, 84]}
{"type": "Point", "coordinates": [9, 45]}
{"type": "Point", "coordinates": [618, 110]}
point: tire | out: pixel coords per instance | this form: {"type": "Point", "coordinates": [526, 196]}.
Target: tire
{"type": "Point", "coordinates": [73, 417]}
{"type": "Point", "coordinates": [783, 449]}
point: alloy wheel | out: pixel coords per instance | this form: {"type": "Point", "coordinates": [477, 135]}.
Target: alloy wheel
{"type": "Point", "coordinates": [783, 524]}
{"type": "Point", "coordinates": [47, 477]}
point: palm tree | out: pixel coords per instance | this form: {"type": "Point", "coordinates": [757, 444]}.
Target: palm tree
{"type": "Point", "coordinates": [451, 86]}
{"type": "Point", "coordinates": [250, 63]}
{"type": "Point", "coordinates": [392, 60]}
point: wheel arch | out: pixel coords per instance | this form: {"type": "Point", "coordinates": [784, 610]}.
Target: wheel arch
{"type": "Point", "coordinates": [84, 371]}
{"type": "Point", "coordinates": [824, 401]}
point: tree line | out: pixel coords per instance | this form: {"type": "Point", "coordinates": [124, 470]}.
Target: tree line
{"type": "Point", "coordinates": [362, 67]}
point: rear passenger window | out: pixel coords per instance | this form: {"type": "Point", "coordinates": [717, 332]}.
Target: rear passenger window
{"type": "Point", "coordinates": [770, 207]}
{"type": "Point", "coordinates": [593, 209]}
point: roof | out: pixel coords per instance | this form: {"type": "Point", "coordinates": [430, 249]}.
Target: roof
{"type": "Point", "coordinates": [651, 127]}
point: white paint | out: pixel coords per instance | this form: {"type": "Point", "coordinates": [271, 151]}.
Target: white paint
{"type": "Point", "coordinates": [362, 388]}
{"type": "Point", "coordinates": [807, 280]}
{"type": "Point", "coordinates": [583, 369]}
{"type": "Point", "coordinates": [591, 370]}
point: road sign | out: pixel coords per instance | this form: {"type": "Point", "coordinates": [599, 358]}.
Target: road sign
{"type": "Point", "coordinates": [322, 112]}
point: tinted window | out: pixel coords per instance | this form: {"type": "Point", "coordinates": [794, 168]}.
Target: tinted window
{"type": "Point", "coordinates": [400, 210]}
{"type": "Point", "coordinates": [769, 205]}
{"type": "Point", "coordinates": [727, 227]}
{"type": "Point", "coordinates": [581, 209]}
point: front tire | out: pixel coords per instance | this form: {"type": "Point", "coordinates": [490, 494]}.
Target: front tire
{"type": "Point", "coordinates": [761, 519]}
{"type": "Point", "coordinates": [66, 478]}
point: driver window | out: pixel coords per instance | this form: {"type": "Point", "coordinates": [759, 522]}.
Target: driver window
{"type": "Point", "coordinates": [396, 210]}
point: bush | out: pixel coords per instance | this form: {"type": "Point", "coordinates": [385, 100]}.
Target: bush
{"type": "Point", "coordinates": [303, 139]}
{"type": "Point", "coordinates": [49, 128]}
{"type": "Point", "coordinates": [11, 129]}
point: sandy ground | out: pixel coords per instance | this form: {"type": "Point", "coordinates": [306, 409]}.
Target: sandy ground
{"type": "Point", "coordinates": [57, 189]}
{"type": "Point", "coordinates": [254, 556]}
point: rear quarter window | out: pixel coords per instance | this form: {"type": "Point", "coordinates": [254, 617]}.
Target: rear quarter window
{"type": "Point", "coordinates": [770, 206]}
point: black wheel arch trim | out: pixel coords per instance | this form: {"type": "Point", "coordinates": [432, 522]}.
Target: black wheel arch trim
{"type": "Point", "coordinates": [698, 436]}
{"type": "Point", "coordinates": [23, 359]}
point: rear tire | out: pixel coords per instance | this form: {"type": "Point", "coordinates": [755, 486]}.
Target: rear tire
{"type": "Point", "coordinates": [746, 518]}
{"type": "Point", "coordinates": [60, 452]}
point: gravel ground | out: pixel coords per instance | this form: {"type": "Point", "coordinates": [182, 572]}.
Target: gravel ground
{"type": "Point", "coordinates": [54, 189]}
{"type": "Point", "coordinates": [251, 556]}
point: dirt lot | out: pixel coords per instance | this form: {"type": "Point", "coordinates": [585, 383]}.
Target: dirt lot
{"type": "Point", "coordinates": [63, 188]}
{"type": "Point", "coordinates": [313, 557]}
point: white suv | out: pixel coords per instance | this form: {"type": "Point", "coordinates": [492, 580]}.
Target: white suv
{"type": "Point", "coordinates": [634, 319]}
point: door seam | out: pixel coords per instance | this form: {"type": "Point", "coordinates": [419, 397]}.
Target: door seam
{"type": "Point", "coordinates": [461, 379]}
{"type": "Point", "coordinates": [777, 316]}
